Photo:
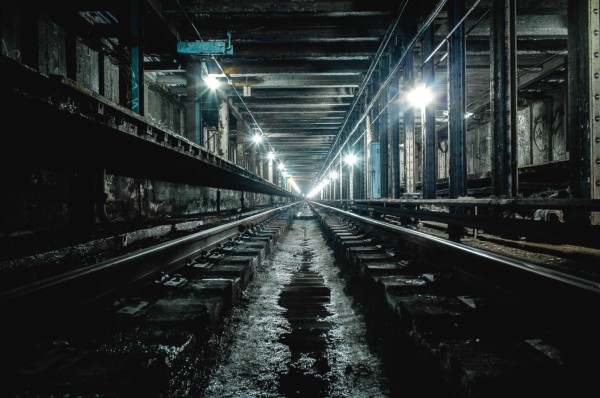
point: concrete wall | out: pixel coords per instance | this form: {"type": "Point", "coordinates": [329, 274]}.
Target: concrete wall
{"type": "Point", "coordinates": [87, 67]}
{"type": "Point", "coordinates": [52, 51]}
{"type": "Point", "coordinates": [41, 199]}
{"type": "Point", "coordinates": [541, 135]}
{"type": "Point", "coordinates": [130, 197]}
{"type": "Point", "coordinates": [162, 109]}
{"type": "Point", "coordinates": [111, 79]}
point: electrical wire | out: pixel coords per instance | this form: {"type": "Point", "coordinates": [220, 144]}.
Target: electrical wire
{"type": "Point", "coordinates": [230, 83]}
{"type": "Point", "coordinates": [396, 68]}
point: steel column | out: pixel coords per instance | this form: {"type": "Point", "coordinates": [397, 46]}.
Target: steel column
{"type": "Point", "coordinates": [240, 147]}
{"type": "Point", "coordinates": [341, 178]}
{"type": "Point", "coordinates": [383, 130]}
{"type": "Point", "coordinates": [457, 181]}
{"type": "Point", "coordinates": [223, 135]}
{"type": "Point", "coordinates": [270, 170]}
{"type": "Point", "coordinates": [193, 130]}
{"type": "Point", "coordinates": [584, 104]}
{"type": "Point", "coordinates": [394, 125]}
{"type": "Point", "coordinates": [376, 180]}
{"type": "Point", "coordinates": [428, 122]}
{"type": "Point", "coordinates": [368, 168]}
{"type": "Point", "coordinates": [136, 53]}
{"type": "Point", "coordinates": [351, 183]}
{"type": "Point", "coordinates": [410, 144]}
{"type": "Point", "coordinates": [503, 98]}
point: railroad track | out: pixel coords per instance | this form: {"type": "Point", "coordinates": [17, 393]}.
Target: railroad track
{"type": "Point", "coordinates": [487, 324]}
{"type": "Point", "coordinates": [142, 324]}
{"type": "Point", "coordinates": [125, 326]}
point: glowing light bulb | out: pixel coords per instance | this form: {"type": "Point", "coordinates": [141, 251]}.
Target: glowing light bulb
{"type": "Point", "coordinates": [420, 96]}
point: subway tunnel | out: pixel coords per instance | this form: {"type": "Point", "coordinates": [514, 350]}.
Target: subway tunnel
{"type": "Point", "coordinates": [303, 198]}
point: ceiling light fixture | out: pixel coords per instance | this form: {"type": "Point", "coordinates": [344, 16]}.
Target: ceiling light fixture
{"type": "Point", "coordinates": [420, 96]}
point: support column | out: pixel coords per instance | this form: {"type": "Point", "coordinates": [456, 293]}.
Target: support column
{"type": "Point", "coordinates": [428, 123]}
{"type": "Point", "coordinates": [193, 127]}
{"type": "Point", "coordinates": [584, 104]}
{"type": "Point", "coordinates": [367, 166]}
{"type": "Point", "coordinates": [270, 170]}
{"type": "Point", "coordinates": [218, 201]}
{"type": "Point", "coordinates": [394, 125]}
{"type": "Point", "coordinates": [457, 181]}
{"type": "Point", "coordinates": [136, 53]}
{"type": "Point", "coordinates": [503, 98]}
{"type": "Point", "coordinates": [251, 159]}
{"type": "Point", "coordinates": [259, 162]}
{"type": "Point", "coordinates": [240, 151]}
{"type": "Point", "coordinates": [341, 178]}
{"type": "Point", "coordinates": [334, 188]}
{"type": "Point", "coordinates": [383, 131]}
{"type": "Point", "coordinates": [223, 138]}
{"type": "Point", "coordinates": [351, 183]}
{"type": "Point", "coordinates": [410, 144]}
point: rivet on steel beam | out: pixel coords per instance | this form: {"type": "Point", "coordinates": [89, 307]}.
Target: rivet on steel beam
{"type": "Point", "coordinates": [597, 139]}
{"type": "Point", "coordinates": [596, 11]}
{"type": "Point", "coordinates": [598, 183]}
{"type": "Point", "coordinates": [596, 32]}
{"type": "Point", "coordinates": [597, 160]}
{"type": "Point", "coordinates": [596, 54]}
{"type": "Point", "coordinates": [597, 118]}
{"type": "Point", "coordinates": [596, 75]}
{"type": "Point", "coordinates": [597, 96]}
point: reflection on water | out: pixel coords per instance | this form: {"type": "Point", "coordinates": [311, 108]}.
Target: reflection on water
{"type": "Point", "coordinates": [298, 334]}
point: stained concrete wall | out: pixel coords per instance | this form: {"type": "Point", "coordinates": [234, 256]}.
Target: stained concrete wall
{"type": "Point", "coordinates": [163, 109]}
{"type": "Point", "coordinates": [130, 197]}
{"type": "Point", "coordinates": [111, 79]}
{"type": "Point", "coordinates": [41, 199]}
{"type": "Point", "coordinates": [52, 50]}
{"type": "Point", "coordinates": [87, 67]}
{"type": "Point", "coordinates": [541, 137]}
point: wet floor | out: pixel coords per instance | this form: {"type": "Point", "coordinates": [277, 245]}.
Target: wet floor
{"type": "Point", "coordinates": [299, 333]}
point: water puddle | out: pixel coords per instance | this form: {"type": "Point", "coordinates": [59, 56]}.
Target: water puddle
{"type": "Point", "coordinates": [299, 334]}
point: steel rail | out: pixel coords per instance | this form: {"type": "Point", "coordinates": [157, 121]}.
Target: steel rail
{"type": "Point", "coordinates": [461, 249]}
{"type": "Point", "coordinates": [512, 203]}
{"type": "Point", "coordinates": [143, 263]}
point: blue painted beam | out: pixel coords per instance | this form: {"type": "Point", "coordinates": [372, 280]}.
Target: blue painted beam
{"type": "Point", "coordinates": [204, 47]}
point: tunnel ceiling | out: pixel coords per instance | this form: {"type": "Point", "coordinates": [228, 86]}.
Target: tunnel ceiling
{"type": "Point", "coordinates": [305, 59]}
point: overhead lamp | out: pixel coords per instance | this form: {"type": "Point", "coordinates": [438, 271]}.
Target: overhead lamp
{"type": "Point", "coordinates": [420, 96]}
{"type": "Point", "coordinates": [351, 159]}
{"type": "Point", "coordinates": [333, 175]}
{"type": "Point", "coordinates": [212, 82]}
{"type": "Point", "coordinates": [257, 138]}
{"type": "Point", "coordinates": [281, 166]}
{"type": "Point", "coordinates": [286, 174]}
{"type": "Point", "coordinates": [271, 156]}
